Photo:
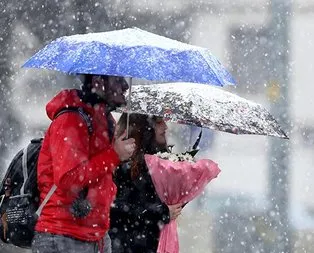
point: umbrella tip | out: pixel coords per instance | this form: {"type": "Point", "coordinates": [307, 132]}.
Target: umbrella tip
{"type": "Point", "coordinates": [287, 137]}
{"type": "Point", "coordinates": [283, 135]}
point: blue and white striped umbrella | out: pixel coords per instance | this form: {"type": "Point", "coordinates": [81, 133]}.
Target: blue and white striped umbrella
{"type": "Point", "coordinates": [132, 52]}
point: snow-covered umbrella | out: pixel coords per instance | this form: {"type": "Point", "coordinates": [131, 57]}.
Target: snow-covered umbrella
{"type": "Point", "coordinates": [206, 106]}
{"type": "Point", "coordinates": [131, 52]}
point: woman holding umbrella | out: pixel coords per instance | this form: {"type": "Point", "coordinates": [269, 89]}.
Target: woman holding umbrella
{"type": "Point", "coordinates": [138, 214]}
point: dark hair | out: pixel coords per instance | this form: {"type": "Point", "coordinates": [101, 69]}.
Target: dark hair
{"type": "Point", "coordinates": [86, 94]}
{"type": "Point", "coordinates": [88, 80]}
{"type": "Point", "coordinates": [141, 128]}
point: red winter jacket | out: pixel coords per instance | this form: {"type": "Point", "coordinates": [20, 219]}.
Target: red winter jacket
{"type": "Point", "coordinates": [72, 159]}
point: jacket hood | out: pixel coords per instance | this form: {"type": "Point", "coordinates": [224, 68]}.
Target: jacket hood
{"type": "Point", "coordinates": [64, 99]}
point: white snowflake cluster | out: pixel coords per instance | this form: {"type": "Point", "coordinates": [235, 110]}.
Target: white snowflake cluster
{"type": "Point", "coordinates": [179, 157]}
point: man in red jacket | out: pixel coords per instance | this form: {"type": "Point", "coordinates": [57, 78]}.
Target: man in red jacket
{"type": "Point", "coordinates": [78, 161]}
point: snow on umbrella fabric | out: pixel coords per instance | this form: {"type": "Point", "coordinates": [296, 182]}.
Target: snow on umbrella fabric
{"type": "Point", "coordinates": [206, 106]}
{"type": "Point", "coordinates": [178, 182]}
{"type": "Point", "coordinates": [131, 52]}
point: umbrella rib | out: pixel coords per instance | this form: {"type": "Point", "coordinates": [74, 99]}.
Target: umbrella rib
{"type": "Point", "coordinates": [221, 81]}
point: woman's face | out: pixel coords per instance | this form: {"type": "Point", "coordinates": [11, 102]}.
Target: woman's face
{"type": "Point", "coordinates": [160, 131]}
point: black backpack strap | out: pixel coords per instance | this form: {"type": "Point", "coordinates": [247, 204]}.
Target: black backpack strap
{"type": "Point", "coordinates": [83, 114]}
{"type": "Point", "coordinates": [87, 119]}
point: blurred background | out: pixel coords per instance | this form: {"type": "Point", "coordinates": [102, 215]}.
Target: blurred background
{"type": "Point", "coordinates": [262, 200]}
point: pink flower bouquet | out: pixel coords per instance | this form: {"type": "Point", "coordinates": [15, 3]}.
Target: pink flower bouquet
{"type": "Point", "coordinates": [178, 179]}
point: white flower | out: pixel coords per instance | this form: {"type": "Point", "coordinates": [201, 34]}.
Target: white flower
{"type": "Point", "coordinates": [179, 157]}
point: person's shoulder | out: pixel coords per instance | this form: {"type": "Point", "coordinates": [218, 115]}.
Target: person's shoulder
{"type": "Point", "coordinates": [67, 98]}
{"type": "Point", "coordinates": [70, 122]}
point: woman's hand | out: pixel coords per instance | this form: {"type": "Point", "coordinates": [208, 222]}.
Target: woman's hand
{"type": "Point", "coordinates": [174, 211]}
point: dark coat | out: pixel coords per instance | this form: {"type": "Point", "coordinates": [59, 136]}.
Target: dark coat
{"type": "Point", "coordinates": [137, 213]}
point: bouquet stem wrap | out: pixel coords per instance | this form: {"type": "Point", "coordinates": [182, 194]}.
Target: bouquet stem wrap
{"type": "Point", "coordinates": [178, 182]}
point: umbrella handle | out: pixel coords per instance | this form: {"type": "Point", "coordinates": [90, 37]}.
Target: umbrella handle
{"type": "Point", "coordinates": [197, 140]}
{"type": "Point", "coordinates": [128, 109]}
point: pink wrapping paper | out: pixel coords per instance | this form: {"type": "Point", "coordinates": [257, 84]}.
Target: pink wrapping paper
{"type": "Point", "coordinates": [178, 182]}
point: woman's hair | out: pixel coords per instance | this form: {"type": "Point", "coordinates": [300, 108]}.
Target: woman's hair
{"type": "Point", "coordinates": [141, 128]}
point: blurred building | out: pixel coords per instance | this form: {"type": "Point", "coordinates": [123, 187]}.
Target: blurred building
{"type": "Point", "coordinates": [237, 33]}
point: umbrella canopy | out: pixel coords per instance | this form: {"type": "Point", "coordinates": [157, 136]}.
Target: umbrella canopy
{"type": "Point", "coordinates": [204, 105]}
{"type": "Point", "coordinates": [131, 52]}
